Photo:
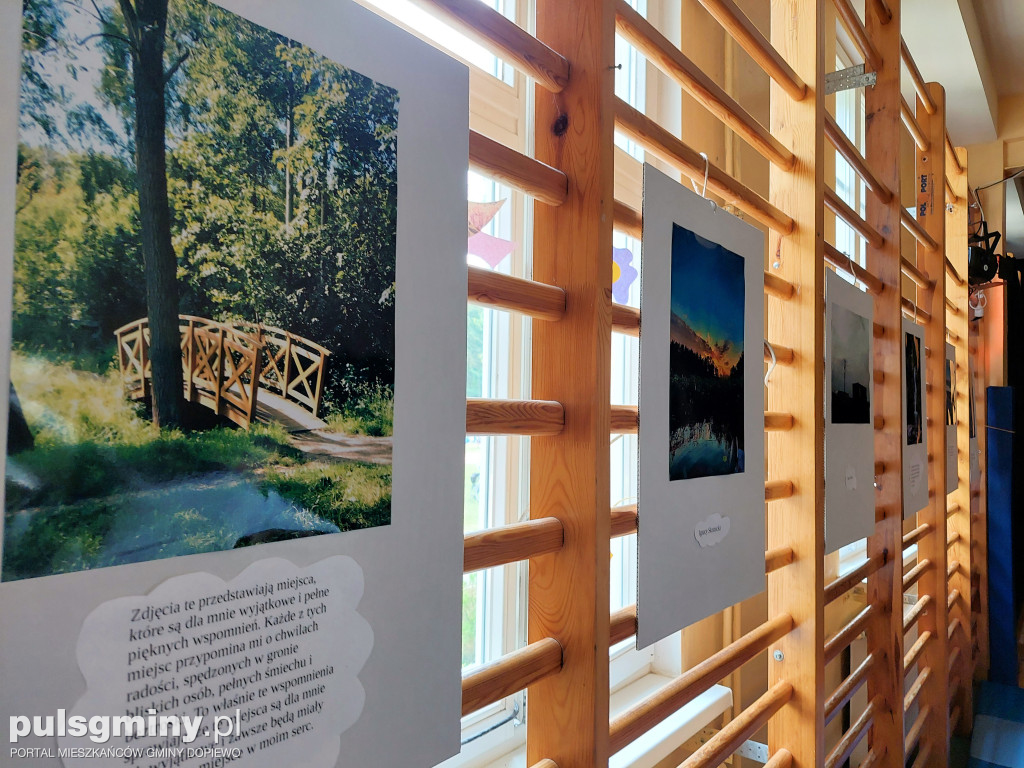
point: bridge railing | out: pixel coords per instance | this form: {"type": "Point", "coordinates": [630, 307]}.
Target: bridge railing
{"type": "Point", "coordinates": [225, 364]}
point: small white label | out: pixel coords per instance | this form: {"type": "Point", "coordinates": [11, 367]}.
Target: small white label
{"type": "Point", "coordinates": [851, 478]}
{"type": "Point", "coordinates": [711, 530]}
{"type": "Point", "coordinates": [915, 476]}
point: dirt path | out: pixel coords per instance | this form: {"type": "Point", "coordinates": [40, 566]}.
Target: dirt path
{"type": "Point", "coordinates": [318, 442]}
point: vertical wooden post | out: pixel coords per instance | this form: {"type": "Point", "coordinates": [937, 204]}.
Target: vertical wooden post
{"type": "Point", "coordinates": [568, 597]}
{"type": "Point", "coordinates": [797, 32]}
{"type": "Point", "coordinates": [959, 523]}
{"type": "Point", "coordinates": [218, 372]}
{"type": "Point", "coordinates": [930, 196]}
{"type": "Point", "coordinates": [190, 355]}
{"type": "Point", "coordinates": [885, 586]}
{"type": "Point", "coordinates": [287, 365]}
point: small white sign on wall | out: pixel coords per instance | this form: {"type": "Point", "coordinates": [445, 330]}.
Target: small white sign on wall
{"type": "Point", "coordinates": [849, 413]}
{"type": "Point", "coordinates": [701, 526]}
{"type": "Point", "coordinates": [915, 422]}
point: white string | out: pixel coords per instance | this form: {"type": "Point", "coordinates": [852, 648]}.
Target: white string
{"type": "Point", "coordinates": [704, 191]}
{"type": "Point", "coordinates": [771, 365]}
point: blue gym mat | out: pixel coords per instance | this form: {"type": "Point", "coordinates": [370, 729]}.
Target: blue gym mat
{"type": "Point", "coordinates": [998, 738]}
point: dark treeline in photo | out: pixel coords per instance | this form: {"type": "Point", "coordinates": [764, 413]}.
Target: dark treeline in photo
{"type": "Point", "coordinates": [705, 359]}
{"type": "Point", "coordinates": [912, 379]}
{"type": "Point", "coordinates": [204, 300]}
{"type": "Point", "coordinates": [950, 395]}
{"type": "Point", "coordinates": [851, 365]}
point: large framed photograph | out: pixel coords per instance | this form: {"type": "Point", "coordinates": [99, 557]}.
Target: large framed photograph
{"type": "Point", "coordinates": [233, 287]}
{"type": "Point", "coordinates": [701, 443]}
{"type": "Point", "coordinates": [952, 419]}
{"type": "Point", "coordinates": [915, 442]}
{"type": "Point", "coordinates": [849, 413]}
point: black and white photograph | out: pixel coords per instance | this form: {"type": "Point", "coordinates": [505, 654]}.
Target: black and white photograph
{"type": "Point", "coordinates": [912, 382]}
{"type": "Point", "coordinates": [850, 337]}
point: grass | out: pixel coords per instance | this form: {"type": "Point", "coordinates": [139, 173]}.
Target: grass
{"type": "Point", "coordinates": [95, 454]}
{"type": "Point", "coordinates": [370, 412]}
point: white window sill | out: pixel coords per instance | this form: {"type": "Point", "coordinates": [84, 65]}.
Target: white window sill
{"type": "Point", "coordinates": [658, 743]}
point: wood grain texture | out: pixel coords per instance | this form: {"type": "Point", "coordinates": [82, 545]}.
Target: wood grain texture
{"type": "Point", "coordinates": [495, 160]}
{"type": "Point", "coordinates": [842, 751]}
{"type": "Point", "coordinates": [571, 363]}
{"type": "Point", "coordinates": [960, 541]}
{"type": "Point", "coordinates": [626, 320]}
{"type": "Point", "coordinates": [511, 543]}
{"type": "Point", "coordinates": [859, 35]}
{"type": "Point", "coordinates": [914, 613]}
{"type": "Point", "coordinates": [912, 271]}
{"type": "Point", "coordinates": [915, 650]}
{"type": "Point", "coordinates": [920, 233]}
{"type": "Point", "coordinates": [644, 715]}
{"type": "Point", "coordinates": [841, 640]}
{"type": "Point", "coordinates": [749, 37]}
{"type": "Point", "coordinates": [513, 417]}
{"type": "Point", "coordinates": [923, 93]}
{"type": "Point", "coordinates": [665, 145]}
{"type": "Point", "coordinates": [910, 120]}
{"type": "Point", "coordinates": [622, 624]}
{"type": "Point", "coordinates": [848, 688]}
{"type": "Point", "coordinates": [664, 54]}
{"type": "Point", "coordinates": [740, 728]}
{"type": "Point", "coordinates": [505, 39]}
{"type": "Point", "coordinates": [857, 161]}
{"type": "Point", "coordinates": [510, 673]}
{"type": "Point", "coordinates": [500, 291]}
{"type": "Point", "coordinates": [911, 538]}
{"type": "Point", "coordinates": [931, 253]}
{"type": "Point", "coordinates": [798, 34]}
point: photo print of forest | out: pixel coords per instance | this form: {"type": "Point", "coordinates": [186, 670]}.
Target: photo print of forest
{"type": "Point", "coordinates": [851, 367]}
{"type": "Point", "coordinates": [705, 411]}
{"type": "Point", "coordinates": [912, 379]}
{"type": "Point", "coordinates": [204, 288]}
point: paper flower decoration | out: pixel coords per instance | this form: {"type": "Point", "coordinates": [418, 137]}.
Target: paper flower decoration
{"type": "Point", "coordinates": [623, 274]}
{"type": "Point", "coordinates": [488, 247]}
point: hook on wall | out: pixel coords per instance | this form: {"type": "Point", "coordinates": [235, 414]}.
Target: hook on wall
{"type": "Point", "coordinates": [704, 191]}
{"type": "Point", "coordinates": [772, 364]}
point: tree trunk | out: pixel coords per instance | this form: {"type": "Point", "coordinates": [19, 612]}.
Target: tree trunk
{"type": "Point", "coordinates": [150, 23]}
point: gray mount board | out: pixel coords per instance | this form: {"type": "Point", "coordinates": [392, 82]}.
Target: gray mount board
{"type": "Point", "coordinates": [915, 419]}
{"type": "Point", "coordinates": [412, 568]}
{"type": "Point", "coordinates": [849, 413]}
{"type": "Point", "coordinates": [701, 538]}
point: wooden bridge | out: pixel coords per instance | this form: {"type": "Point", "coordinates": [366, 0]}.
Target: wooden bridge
{"type": "Point", "coordinates": [240, 371]}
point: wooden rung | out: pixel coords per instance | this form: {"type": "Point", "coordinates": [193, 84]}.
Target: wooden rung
{"type": "Point", "coordinates": [510, 673]}
{"type": "Point", "coordinates": [511, 543]}
{"type": "Point", "coordinates": [915, 689]}
{"type": "Point", "coordinates": [923, 755]}
{"type": "Point", "coordinates": [913, 226]}
{"type": "Point", "coordinates": [952, 308]}
{"type": "Point", "coordinates": [915, 75]}
{"type": "Point", "coordinates": [951, 152]}
{"type": "Point", "coordinates": [951, 271]}
{"type": "Point", "coordinates": [915, 612]}
{"type": "Point", "coordinates": [915, 573]}
{"type": "Point", "coordinates": [954, 595]}
{"type": "Point", "coordinates": [910, 120]}
{"type": "Point", "coordinates": [546, 763]}
{"type": "Point", "coordinates": [627, 220]}
{"type": "Point", "coordinates": [843, 262]}
{"type": "Point", "coordinates": [952, 335]}
{"type": "Point", "coordinates": [885, 16]}
{"type": "Point", "coordinates": [852, 155]}
{"type": "Point", "coordinates": [623, 520]}
{"type": "Point", "coordinates": [783, 758]}
{"type": "Point", "coordinates": [872, 758]}
{"type": "Point", "coordinates": [847, 689]}
{"type": "Point", "coordinates": [951, 196]}
{"type": "Point", "coordinates": [513, 417]}
{"type": "Point", "coordinates": [914, 735]}
{"type": "Point", "coordinates": [636, 30]}
{"type": "Point", "coordinates": [777, 287]}
{"type": "Point", "coordinates": [952, 509]}
{"type": "Point", "coordinates": [915, 651]}
{"type": "Point", "coordinates": [494, 289]}
{"type": "Point", "coordinates": [954, 718]}
{"type": "Point", "coordinates": [844, 584]}
{"type": "Point", "coordinates": [953, 538]}
{"type": "Point", "coordinates": [841, 209]}
{"type": "Point", "coordinates": [914, 312]}
{"type": "Point", "coordinates": [777, 422]}
{"type": "Point", "coordinates": [778, 489]}
{"type": "Point", "coordinates": [842, 751]}
{"type": "Point", "coordinates": [910, 270]}
{"type": "Point", "coordinates": [644, 715]}
{"type": "Point", "coordinates": [953, 658]}
{"type": "Point", "coordinates": [749, 37]}
{"type": "Point", "coordinates": [502, 37]}
{"type": "Point", "coordinates": [842, 639]}
{"type": "Point", "coordinates": [625, 319]}
{"type": "Point", "coordinates": [748, 722]}
{"type": "Point", "coordinates": [910, 539]}
{"type": "Point", "coordinates": [493, 159]}
{"type": "Point", "coordinates": [777, 558]}
{"type": "Point", "coordinates": [859, 34]}
{"type": "Point", "coordinates": [665, 145]}
{"type": "Point", "coordinates": [622, 624]}
{"type": "Point", "coordinates": [953, 567]}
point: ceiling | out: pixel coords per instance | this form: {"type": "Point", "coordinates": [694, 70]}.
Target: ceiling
{"type": "Point", "coordinates": [1001, 24]}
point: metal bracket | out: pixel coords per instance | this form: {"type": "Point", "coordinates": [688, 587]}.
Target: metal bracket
{"type": "Point", "coordinates": [755, 750]}
{"type": "Point", "coordinates": [845, 79]}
